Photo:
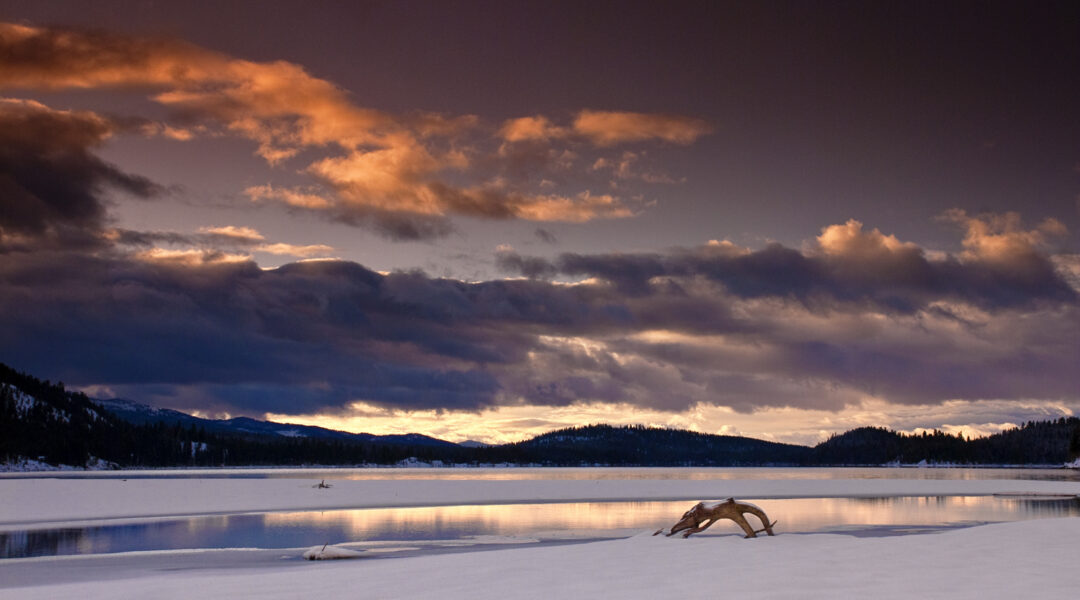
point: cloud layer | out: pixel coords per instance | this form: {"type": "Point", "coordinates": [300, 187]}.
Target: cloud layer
{"type": "Point", "coordinates": [401, 175]}
{"type": "Point", "coordinates": [856, 315]}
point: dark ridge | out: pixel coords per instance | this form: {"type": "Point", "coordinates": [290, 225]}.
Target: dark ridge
{"type": "Point", "coordinates": [41, 420]}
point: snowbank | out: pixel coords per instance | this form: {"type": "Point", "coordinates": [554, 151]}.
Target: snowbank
{"type": "Point", "coordinates": [1009, 560]}
{"type": "Point", "coordinates": [326, 552]}
{"type": "Point", "coordinates": [47, 500]}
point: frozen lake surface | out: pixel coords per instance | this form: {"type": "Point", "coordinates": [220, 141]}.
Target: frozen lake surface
{"type": "Point", "coordinates": [495, 533]}
{"type": "Point", "coordinates": [382, 528]}
{"type": "Point", "coordinates": [476, 520]}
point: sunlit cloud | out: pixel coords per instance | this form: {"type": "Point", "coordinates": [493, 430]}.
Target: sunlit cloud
{"type": "Point", "coordinates": [403, 175]}
{"type": "Point", "coordinates": [531, 128]}
{"type": "Point", "coordinates": [289, 196]}
{"type": "Point", "coordinates": [295, 250]}
{"type": "Point", "coordinates": [607, 128]}
{"type": "Point", "coordinates": [1002, 238]}
{"type": "Point", "coordinates": [234, 232]}
{"type": "Point", "coordinates": [190, 257]}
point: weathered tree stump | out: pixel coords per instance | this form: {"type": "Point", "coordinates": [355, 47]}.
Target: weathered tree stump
{"type": "Point", "coordinates": [691, 521]}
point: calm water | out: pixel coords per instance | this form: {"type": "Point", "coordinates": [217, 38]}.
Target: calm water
{"type": "Point", "coordinates": [375, 529]}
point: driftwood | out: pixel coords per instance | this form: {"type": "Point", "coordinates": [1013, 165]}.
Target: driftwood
{"type": "Point", "coordinates": [691, 521]}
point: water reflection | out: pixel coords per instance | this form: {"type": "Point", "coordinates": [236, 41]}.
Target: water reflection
{"type": "Point", "coordinates": [466, 524]}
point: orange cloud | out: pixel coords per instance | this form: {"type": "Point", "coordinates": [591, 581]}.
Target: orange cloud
{"type": "Point", "coordinates": [530, 128]}
{"type": "Point", "coordinates": [1002, 237]}
{"type": "Point", "coordinates": [234, 232]}
{"type": "Point", "coordinates": [190, 257]}
{"type": "Point", "coordinates": [289, 196]}
{"type": "Point", "coordinates": [850, 240]}
{"type": "Point", "coordinates": [294, 250]}
{"type": "Point", "coordinates": [581, 208]}
{"type": "Point", "coordinates": [374, 162]}
{"type": "Point", "coordinates": [607, 128]}
{"type": "Point", "coordinates": [391, 178]}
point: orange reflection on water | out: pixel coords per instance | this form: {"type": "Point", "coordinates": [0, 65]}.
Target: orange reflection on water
{"type": "Point", "coordinates": [609, 518]}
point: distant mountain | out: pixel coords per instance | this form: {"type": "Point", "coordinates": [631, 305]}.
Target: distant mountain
{"type": "Point", "coordinates": [639, 445]}
{"type": "Point", "coordinates": [141, 414]}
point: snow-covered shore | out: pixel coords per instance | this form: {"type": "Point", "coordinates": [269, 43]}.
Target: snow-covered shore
{"type": "Point", "coordinates": [1008, 560]}
{"type": "Point", "coordinates": [1020, 559]}
{"type": "Point", "coordinates": [40, 501]}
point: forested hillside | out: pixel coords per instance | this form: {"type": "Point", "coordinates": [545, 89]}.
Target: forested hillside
{"type": "Point", "coordinates": [40, 420]}
{"type": "Point", "coordinates": [1036, 442]}
{"type": "Point", "coordinates": [638, 445]}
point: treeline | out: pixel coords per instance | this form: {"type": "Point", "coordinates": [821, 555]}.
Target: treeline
{"type": "Point", "coordinates": [646, 446]}
{"type": "Point", "coordinates": [42, 420]}
{"type": "Point", "coordinates": [1034, 443]}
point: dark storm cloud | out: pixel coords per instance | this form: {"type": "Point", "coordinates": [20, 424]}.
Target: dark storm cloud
{"type": "Point", "coordinates": [776, 327]}
{"type": "Point", "coordinates": [903, 281]}
{"type": "Point", "coordinates": [545, 236]}
{"type": "Point", "coordinates": [402, 340]}
{"type": "Point", "coordinates": [529, 266]}
{"type": "Point", "coordinates": [50, 183]}
{"type": "Point", "coordinates": [128, 237]}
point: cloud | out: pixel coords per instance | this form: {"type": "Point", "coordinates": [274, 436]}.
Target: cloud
{"type": "Point", "coordinates": [545, 236]}
{"type": "Point", "coordinates": [210, 244]}
{"type": "Point", "coordinates": [607, 128]}
{"type": "Point", "coordinates": [190, 257]}
{"type": "Point", "coordinates": [858, 317]}
{"type": "Point", "coordinates": [508, 260]}
{"type": "Point", "coordinates": [297, 198]}
{"type": "Point", "coordinates": [850, 241]}
{"type": "Point", "coordinates": [295, 250]}
{"type": "Point", "coordinates": [233, 232]}
{"type": "Point", "coordinates": [1001, 238]}
{"type": "Point", "coordinates": [623, 168]}
{"type": "Point", "coordinates": [847, 267]}
{"type": "Point", "coordinates": [531, 128]}
{"type": "Point", "coordinates": [51, 185]}
{"type": "Point", "coordinates": [402, 175]}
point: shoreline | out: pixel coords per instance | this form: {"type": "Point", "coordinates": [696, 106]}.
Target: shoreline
{"type": "Point", "coordinates": [73, 471]}
{"type": "Point", "coordinates": [40, 503]}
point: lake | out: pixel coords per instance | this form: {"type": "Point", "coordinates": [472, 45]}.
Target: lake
{"type": "Point", "coordinates": [394, 529]}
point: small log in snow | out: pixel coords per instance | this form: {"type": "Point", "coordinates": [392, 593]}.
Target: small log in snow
{"type": "Point", "coordinates": [327, 552]}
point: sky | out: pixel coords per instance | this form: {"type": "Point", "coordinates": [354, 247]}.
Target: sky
{"type": "Point", "coordinates": [486, 220]}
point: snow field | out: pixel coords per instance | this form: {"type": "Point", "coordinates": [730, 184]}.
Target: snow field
{"type": "Point", "coordinates": [1009, 560]}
